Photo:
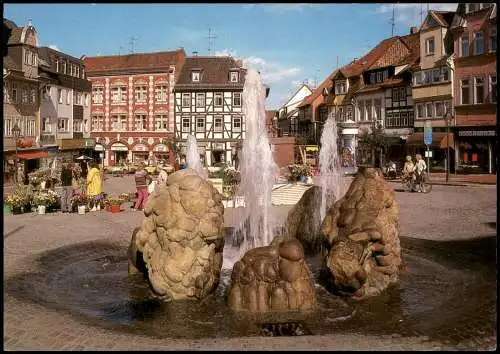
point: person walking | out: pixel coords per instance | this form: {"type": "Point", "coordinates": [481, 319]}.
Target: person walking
{"type": "Point", "coordinates": [94, 182]}
{"type": "Point", "coordinates": [66, 188]}
{"type": "Point", "coordinates": [419, 169]}
{"type": "Point", "coordinates": [142, 180]}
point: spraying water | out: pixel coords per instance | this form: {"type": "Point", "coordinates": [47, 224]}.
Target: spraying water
{"type": "Point", "coordinates": [258, 172]}
{"type": "Point", "coordinates": [331, 181]}
{"type": "Point", "coordinates": [193, 157]}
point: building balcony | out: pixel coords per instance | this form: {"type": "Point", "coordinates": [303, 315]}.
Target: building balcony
{"type": "Point", "coordinates": [432, 91]}
{"type": "Point", "coordinates": [47, 139]}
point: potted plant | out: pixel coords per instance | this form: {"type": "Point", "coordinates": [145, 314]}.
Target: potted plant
{"type": "Point", "coordinates": [20, 198]}
{"type": "Point", "coordinates": [297, 172]}
{"type": "Point", "coordinates": [114, 203]}
{"type": "Point", "coordinates": [16, 203]}
{"type": "Point", "coordinates": [79, 202]}
{"type": "Point", "coordinates": [44, 200]}
{"type": "Point", "coordinates": [96, 202]}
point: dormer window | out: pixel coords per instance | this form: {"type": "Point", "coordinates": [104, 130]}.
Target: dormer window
{"type": "Point", "coordinates": [325, 92]}
{"type": "Point", "coordinates": [233, 76]}
{"type": "Point", "coordinates": [340, 87]}
{"type": "Point", "coordinates": [195, 76]}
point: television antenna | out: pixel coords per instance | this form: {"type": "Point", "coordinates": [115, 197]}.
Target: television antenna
{"type": "Point", "coordinates": [131, 42]}
{"type": "Point", "coordinates": [211, 41]}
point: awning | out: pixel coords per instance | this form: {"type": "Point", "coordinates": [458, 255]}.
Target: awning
{"type": "Point", "coordinates": [438, 140]}
{"type": "Point", "coordinates": [32, 155]}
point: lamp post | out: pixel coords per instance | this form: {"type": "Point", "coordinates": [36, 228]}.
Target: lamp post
{"type": "Point", "coordinates": [16, 131]}
{"type": "Point", "coordinates": [448, 117]}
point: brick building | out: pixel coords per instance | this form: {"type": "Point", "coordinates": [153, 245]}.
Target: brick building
{"type": "Point", "coordinates": [132, 112]}
{"type": "Point", "coordinates": [474, 31]}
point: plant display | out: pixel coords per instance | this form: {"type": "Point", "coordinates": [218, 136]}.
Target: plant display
{"type": "Point", "coordinates": [47, 198]}
{"type": "Point", "coordinates": [38, 176]}
{"type": "Point", "coordinates": [112, 200]}
{"type": "Point", "coordinates": [15, 201]}
{"type": "Point", "coordinates": [125, 197]}
{"type": "Point", "coordinates": [79, 199]}
{"type": "Point", "coordinates": [97, 199]}
{"type": "Point", "coordinates": [297, 171]}
{"type": "Point", "coordinates": [228, 174]}
{"type": "Point", "coordinates": [21, 196]}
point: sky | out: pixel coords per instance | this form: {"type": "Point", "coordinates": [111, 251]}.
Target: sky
{"type": "Point", "coordinates": [289, 44]}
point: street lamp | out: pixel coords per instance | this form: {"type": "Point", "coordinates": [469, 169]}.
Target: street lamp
{"type": "Point", "coordinates": [16, 131]}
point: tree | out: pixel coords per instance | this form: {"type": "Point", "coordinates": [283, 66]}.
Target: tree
{"type": "Point", "coordinates": [373, 143]}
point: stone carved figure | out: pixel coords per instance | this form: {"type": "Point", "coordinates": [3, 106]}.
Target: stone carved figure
{"type": "Point", "coordinates": [361, 231]}
{"type": "Point", "coordinates": [274, 278]}
{"type": "Point", "coordinates": [181, 238]}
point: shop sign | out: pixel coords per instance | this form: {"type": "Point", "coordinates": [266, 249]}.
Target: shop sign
{"type": "Point", "coordinates": [89, 143]}
{"type": "Point", "coordinates": [140, 147]}
{"type": "Point", "coordinates": [476, 133]}
{"type": "Point", "coordinates": [119, 147]}
{"type": "Point", "coordinates": [217, 146]}
{"type": "Point", "coordinates": [161, 148]}
{"type": "Point", "coordinates": [99, 147]}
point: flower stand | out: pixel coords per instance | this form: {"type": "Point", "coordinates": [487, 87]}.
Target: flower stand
{"type": "Point", "coordinates": [41, 209]}
{"type": "Point", "coordinates": [81, 209]}
{"type": "Point", "coordinates": [115, 208]}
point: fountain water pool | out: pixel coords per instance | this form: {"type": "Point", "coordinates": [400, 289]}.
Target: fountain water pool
{"type": "Point", "coordinates": [258, 174]}
{"type": "Point", "coordinates": [193, 160]}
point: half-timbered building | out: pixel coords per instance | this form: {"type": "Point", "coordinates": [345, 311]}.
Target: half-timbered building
{"type": "Point", "coordinates": [208, 105]}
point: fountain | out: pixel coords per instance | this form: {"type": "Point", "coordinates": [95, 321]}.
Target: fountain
{"type": "Point", "coordinates": [258, 172]}
{"type": "Point", "coordinates": [193, 157]}
{"type": "Point", "coordinates": [331, 180]}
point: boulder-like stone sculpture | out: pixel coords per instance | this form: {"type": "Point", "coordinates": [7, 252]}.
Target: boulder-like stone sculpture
{"type": "Point", "coordinates": [361, 231]}
{"type": "Point", "coordinates": [274, 278]}
{"type": "Point", "coordinates": [181, 237]}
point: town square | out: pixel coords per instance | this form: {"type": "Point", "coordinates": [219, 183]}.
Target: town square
{"type": "Point", "coordinates": [181, 196]}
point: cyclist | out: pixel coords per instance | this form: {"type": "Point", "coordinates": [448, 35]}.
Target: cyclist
{"type": "Point", "coordinates": [408, 168]}
{"type": "Point", "coordinates": [419, 169]}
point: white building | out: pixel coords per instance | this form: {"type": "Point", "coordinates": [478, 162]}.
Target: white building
{"type": "Point", "coordinates": [287, 114]}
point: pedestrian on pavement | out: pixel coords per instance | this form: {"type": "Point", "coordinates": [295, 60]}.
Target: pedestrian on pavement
{"type": "Point", "coordinates": [66, 188]}
{"type": "Point", "coordinates": [419, 169]}
{"type": "Point", "coordinates": [94, 180]}
{"type": "Point", "coordinates": [408, 167]}
{"type": "Point", "coordinates": [142, 180]}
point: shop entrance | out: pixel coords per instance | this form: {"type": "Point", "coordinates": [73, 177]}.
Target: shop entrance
{"type": "Point", "coordinates": [217, 157]}
{"type": "Point", "coordinates": [120, 157]}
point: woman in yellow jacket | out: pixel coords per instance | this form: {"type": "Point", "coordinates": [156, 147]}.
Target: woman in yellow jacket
{"type": "Point", "coordinates": [94, 181]}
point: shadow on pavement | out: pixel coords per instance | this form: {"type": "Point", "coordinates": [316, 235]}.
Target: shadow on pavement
{"type": "Point", "coordinates": [13, 231]}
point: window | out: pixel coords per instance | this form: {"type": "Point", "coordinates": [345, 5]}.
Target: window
{"type": "Point", "coordinates": [349, 113]}
{"type": "Point", "coordinates": [402, 94]}
{"type": "Point", "coordinates": [60, 95]}
{"type": "Point", "coordinates": [464, 45]}
{"type": "Point", "coordinates": [118, 122]}
{"type": "Point", "coordinates": [217, 124]}
{"type": "Point", "coordinates": [77, 71]}
{"type": "Point", "coordinates": [5, 92]}
{"type": "Point", "coordinates": [25, 95]}
{"type": "Point", "coordinates": [429, 46]}
{"type": "Point", "coordinates": [418, 78]}
{"type": "Point", "coordinates": [46, 127]}
{"type": "Point", "coordinates": [200, 125]}
{"type": "Point", "coordinates": [430, 109]}
{"type": "Point", "coordinates": [186, 125]}
{"type": "Point", "coordinates": [386, 74]}
{"type": "Point", "coordinates": [447, 107]}
{"type": "Point", "coordinates": [395, 94]}
{"type": "Point", "coordinates": [233, 76]}
{"type": "Point", "coordinates": [372, 78]}
{"type": "Point", "coordinates": [340, 87]}
{"type": "Point", "coordinates": [478, 90]}
{"type": "Point", "coordinates": [26, 57]}
{"type": "Point", "coordinates": [379, 77]}
{"type": "Point", "coordinates": [420, 111]}
{"type": "Point", "coordinates": [237, 124]}
{"type": "Point", "coordinates": [369, 110]}
{"type": "Point", "coordinates": [14, 93]}
{"type": "Point", "coordinates": [63, 125]}
{"type": "Point", "coordinates": [33, 96]}
{"type": "Point", "coordinates": [186, 100]}
{"type": "Point", "coordinates": [404, 119]}
{"type": "Point", "coordinates": [439, 109]}
{"type": "Point", "coordinates": [436, 75]}
{"type": "Point", "coordinates": [446, 74]}
{"type": "Point", "coordinates": [86, 99]}
{"type": "Point", "coordinates": [464, 92]}
{"type": "Point", "coordinates": [7, 126]}
{"type": "Point", "coordinates": [200, 100]}
{"type": "Point", "coordinates": [118, 94]}
{"type": "Point", "coordinates": [361, 106]}
{"type": "Point", "coordinates": [493, 39]}
{"type": "Point", "coordinates": [140, 122]}
{"type": "Point", "coordinates": [195, 76]}
{"type": "Point", "coordinates": [68, 97]}
{"type": "Point", "coordinates": [57, 66]}
{"type": "Point", "coordinates": [64, 67]}
{"type": "Point", "coordinates": [140, 93]}
{"type": "Point", "coordinates": [78, 125]}
{"type": "Point", "coordinates": [427, 77]}
{"type": "Point", "coordinates": [97, 95]}
{"type": "Point", "coordinates": [79, 98]}
{"type": "Point", "coordinates": [493, 88]}
{"type": "Point", "coordinates": [97, 123]}
{"type": "Point", "coordinates": [161, 122]}
{"type": "Point", "coordinates": [478, 43]}
{"type": "Point", "coordinates": [237, 99]}
{"type": "Point", "coordinates": [85, 125]}
{"type": "Point", "coordinates": [378, 109]}
{"type": "Point", "coordinates": [218, 99]}
{"type": "Point", "coordinates": [30, 127]}
{"type": "Point", "coordinates": [161, 93]}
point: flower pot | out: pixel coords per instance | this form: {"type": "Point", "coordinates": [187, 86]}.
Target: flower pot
{"type": "Point", "coordinates": [107, 208]}
{"type": "Point", "coordinates": [81, 209]}
{"type": "Point", "coordinates": [98, 207]}
{"type": "Point", "coordinates": [93, 208]}
{"type": "Point", "coordinates": [114, 208]}
{"type": "Point", "coordinates": [42, 184]}
{"type": "Point", "coordinates": [41, 209]}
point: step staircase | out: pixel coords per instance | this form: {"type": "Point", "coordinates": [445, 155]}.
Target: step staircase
{"type": "Point", "coordinates": [288, 194]}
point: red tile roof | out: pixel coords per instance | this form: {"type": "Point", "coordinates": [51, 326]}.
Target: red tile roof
{"type": "Point", "coordinates": [327, 83]}
{"type": "Point", "coordinates": [412, 41]}
{"type": "Point", "coordinates": [137, 61]}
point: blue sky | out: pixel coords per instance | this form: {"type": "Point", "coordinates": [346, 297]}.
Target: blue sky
{"type": "Point", "coordinates": [288, 43]}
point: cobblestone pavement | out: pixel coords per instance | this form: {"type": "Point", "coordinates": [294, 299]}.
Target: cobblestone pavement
{"type": "Point", "coordinates": [447, 213]}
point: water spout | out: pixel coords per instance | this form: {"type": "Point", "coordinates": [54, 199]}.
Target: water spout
{"type": "Point", "coordinates": [193, 160]}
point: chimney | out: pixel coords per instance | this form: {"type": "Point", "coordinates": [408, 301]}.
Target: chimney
{"type": "Point", "coordinates": [413, 30]}
{"type": "Point", "coordinates": [239, 62]}
{"type": "Point", "coordinates": [354, 60]}
{"type": "Point", "coordinates": [195, 53]}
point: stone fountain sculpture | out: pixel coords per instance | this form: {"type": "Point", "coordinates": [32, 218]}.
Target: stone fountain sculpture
{"type": "Point", "coordinates": [181, 238]}
{"type": "Point", "coordinates": [361, 231]}
{"type": "Point", "coordinates": [273, 278]}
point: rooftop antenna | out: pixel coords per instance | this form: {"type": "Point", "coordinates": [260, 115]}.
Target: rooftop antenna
{"type": "Point", "coordinates": [421, 14]}
{"type": "Point", "coordinates": [120, 50]}
{"type": "Point", "coordinates": [337, 61]}
{"type": "Point", "coordinates": [30, 24]}
{"type": "Point", "coordinates": [132, 40]}
{"type": "Point", "coordinates": [211, 40]}
{"type": "Point", "coordinates": [392, 22]}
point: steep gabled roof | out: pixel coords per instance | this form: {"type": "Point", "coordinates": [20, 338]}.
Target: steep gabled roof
{"type": "Point", "coordinates": [412, 41]}
{"type": "Point", "coordinates": [327, 83]}
{"type": "Point", "coordinates": [136, 61]}
{"type": "Point", "coordinates": [445, 18]}
{"type": "Point", "coordinates": [295, 93]}
{"type": "Point", "coordinates": [214, 70]}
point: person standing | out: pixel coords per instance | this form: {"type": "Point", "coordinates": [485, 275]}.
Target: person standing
{"type": "Point", "coordinates": [142, 180]}
{"type": "Point", "coordinates": [420, 167]}
{"type": "Point", "coordinates": [66, 188]}
{"type": "Point", "coordinates": [94, 182]}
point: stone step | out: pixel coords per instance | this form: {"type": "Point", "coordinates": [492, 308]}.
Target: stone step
{"type": "Point", "coordinates": [289, 194]}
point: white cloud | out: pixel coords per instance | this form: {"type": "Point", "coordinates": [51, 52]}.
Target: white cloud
{"type": "Point", "coordinates": [409, 14]}
{"type": "Point", "coordinates": [53, 46]}
{"type": "Point", "coordinates": [271, 72]}
{"type": "Point", "coordinates": [225, 53]}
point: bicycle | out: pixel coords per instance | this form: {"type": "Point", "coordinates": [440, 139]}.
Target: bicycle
{"type": "Point", "coordinates": [410, 183]}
